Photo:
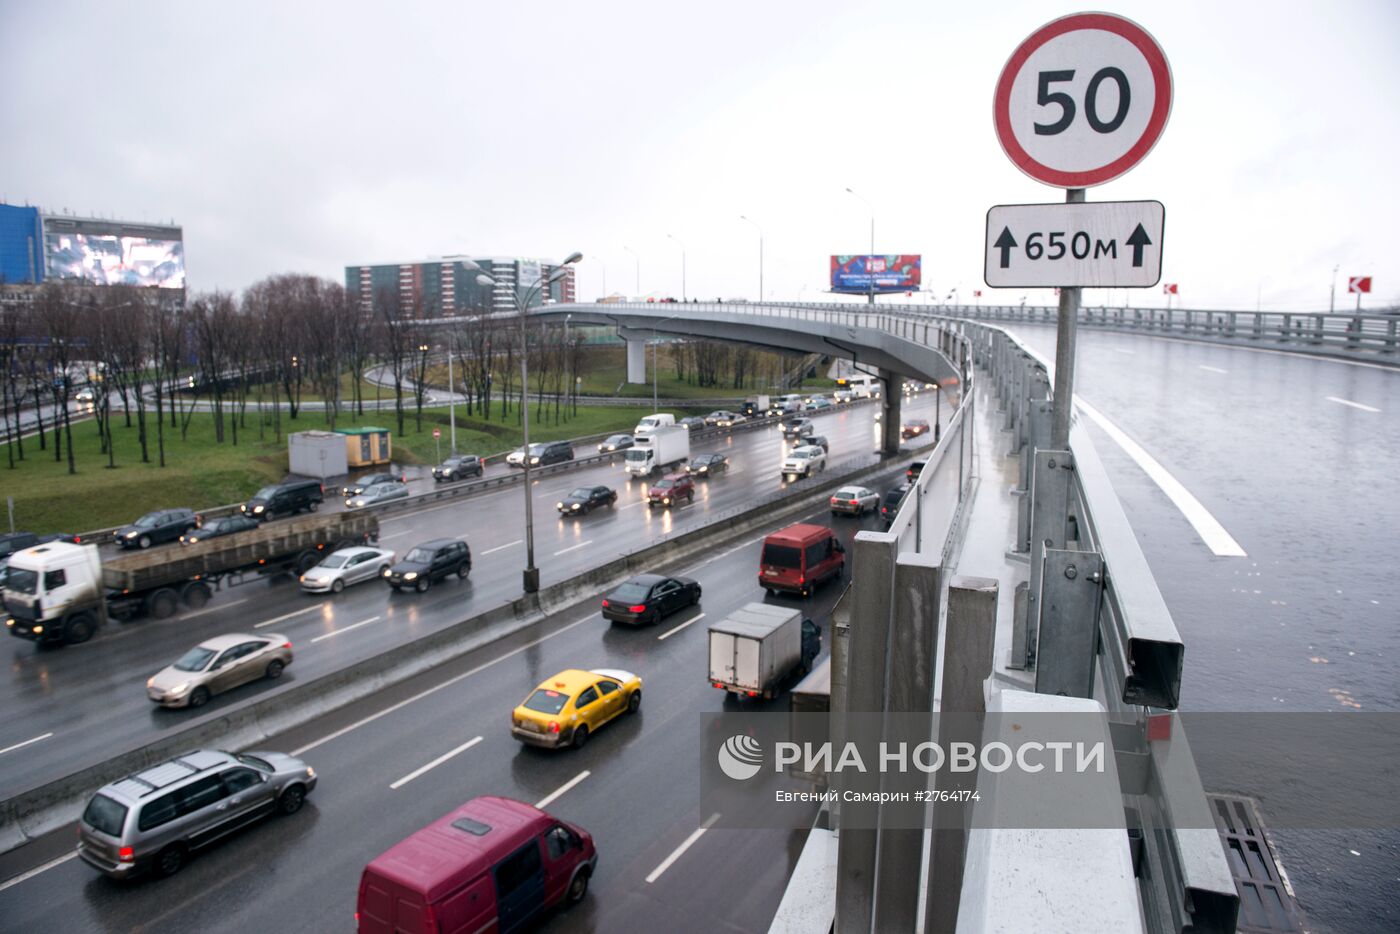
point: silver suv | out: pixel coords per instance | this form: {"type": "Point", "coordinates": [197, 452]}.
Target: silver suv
{"type": "Point", "coordinates": [155, 818]}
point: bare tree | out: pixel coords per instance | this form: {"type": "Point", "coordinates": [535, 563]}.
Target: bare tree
{"type": "Point", "coordinates": [164, 336]}
{"type": "Point", "coordinates": [12, 323]}
{"type": "Point", "coordinates": [394, 343]}
{"type": "Point", "coordinates": [57, 307]}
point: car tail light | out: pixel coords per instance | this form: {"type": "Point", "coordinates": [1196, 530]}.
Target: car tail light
{"type": "Point", "coordinates": [639, 608]}
{"type": "Point", "coordinates": [77, 539]}
{"type": "Point", "coordinates": [718, 685]}
{"type": "Point", "coordinates": [287, 646]}
{"type": "Point", "coordinates": [554, 727]}
{"type": "Point", "coordinates": [801, 579]}
{"type": "Point", "coordinates": [126, 855]}
{"type": "Point", "coordinates": [753, 694]}
{"type": "Point", "coordinates": [605, 604]}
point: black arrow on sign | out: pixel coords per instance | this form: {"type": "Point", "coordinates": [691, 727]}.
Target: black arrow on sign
{"type": "Point", "coordinates": [1137, 241]}
{"type": "Point", "coordinates": [1004, 243]}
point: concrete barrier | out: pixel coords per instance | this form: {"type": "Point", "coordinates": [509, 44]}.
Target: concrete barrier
{"type": "Point", "coordinates": [49, 806]}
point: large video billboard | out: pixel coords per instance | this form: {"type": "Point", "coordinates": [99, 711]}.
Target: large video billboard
{"type": "Point", "coordinates": [881, 273]}
{"type": "Point", "coordinates": [111, 259]}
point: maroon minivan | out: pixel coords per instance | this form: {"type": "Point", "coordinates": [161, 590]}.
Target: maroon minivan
{"type": "Point", "coordinates": [799, 558]}
{"type": "Point", "coordinates": [491, 864]}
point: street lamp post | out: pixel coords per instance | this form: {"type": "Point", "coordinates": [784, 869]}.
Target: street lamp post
{"type": "Point", "coordinates": [655, 368]}
{"type": "Point", "coordinates": [682, 246]}
{"type": "Point", "coordinates": [1332, 302]}
{"type": "Point", "coordinates": [451, 397]}
{"type": "Point", "coordinates": [760, 254]}
{"type": "Point", "coordinates": [638, 292]}
{"type": "Point", "coordinates": [869, 275]}
{"type": "Point", "coordinates": [531, 576]}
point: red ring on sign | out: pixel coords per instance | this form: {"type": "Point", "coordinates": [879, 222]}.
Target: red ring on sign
{"type": "Point", "coordinates": [1161, 108]}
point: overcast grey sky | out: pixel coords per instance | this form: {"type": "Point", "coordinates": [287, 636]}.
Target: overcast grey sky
{"type": "Point", "coordinates": [302, 137]}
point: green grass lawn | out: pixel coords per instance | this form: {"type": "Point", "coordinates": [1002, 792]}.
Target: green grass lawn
{"type": "Point", "coordinates": [201, 473]}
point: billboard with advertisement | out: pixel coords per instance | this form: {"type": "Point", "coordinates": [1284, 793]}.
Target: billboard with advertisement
{"type": "Point", "coordinates": [115, 257]}
{"type": "Point", "coordinates": [879, 273]}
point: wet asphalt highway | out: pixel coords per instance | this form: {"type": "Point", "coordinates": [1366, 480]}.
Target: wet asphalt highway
{"type": "Point", "coordinates": [640, 797]}
{"type": "Point", "coordinates": [91, 698]}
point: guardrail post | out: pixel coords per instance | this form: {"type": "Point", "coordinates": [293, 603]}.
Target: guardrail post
{"type": "Point", "coordinates": [1354, 334]}
{"type": "Point", "coordinates": [1041, 419]}
{"type": "Point", "coordinates": [967, 663]}
{"type": "Point", "coordinates": [1389, 337]}
{"type": "Point", "coordinates": [1050, 481]}
{"type": "Point", "coordinates": [912, 660]}
{"type": "Point", "coordinates": [1071, 592]}
{"type": "Point", "coordinates": [1317, 329]}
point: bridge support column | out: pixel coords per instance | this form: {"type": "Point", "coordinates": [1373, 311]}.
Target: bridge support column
{"type": "Point", "coordinates": [891, 392]}
{"type": "Point", "coordinates": [636, 362]}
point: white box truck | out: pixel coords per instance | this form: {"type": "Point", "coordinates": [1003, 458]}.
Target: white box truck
{"type": "Point", "coordinates": [667, 445]}
{"type": "Point", "coordinates": [759, 647]}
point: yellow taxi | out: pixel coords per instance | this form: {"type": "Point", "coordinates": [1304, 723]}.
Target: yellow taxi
{"type": "Point", "coordinates": [567, 708]}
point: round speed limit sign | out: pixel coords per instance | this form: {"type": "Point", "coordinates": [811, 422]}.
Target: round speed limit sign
{"type": "Point", "coordinates": [1082, 100]}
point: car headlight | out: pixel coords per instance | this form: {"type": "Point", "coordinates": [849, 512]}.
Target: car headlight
{"type": "Point", "coordinates": [151, 682]}
{"type": "Point", "coordinates": [574, 506]}
{"type": "Point", "coordinates": [179, 688]}
{"type": "Point", "coordinates": [257, 509]}
{"type": "Point", "coordinates": [666, 501]}
{"type": "Point", "coordinates": [534, 460]}
{"type": "Point", "coordinates": [310, 772]}
{"type": "Point", "coordinates": [132, 534]}
{"type": "Point", "coordinates": [558, 505]}
{"type": "Point", "coordinates": [411, 575]}
{"type": "Point", "coordinates": [387, 573]}
{"type": "Point", "coordinates": [349, 502]}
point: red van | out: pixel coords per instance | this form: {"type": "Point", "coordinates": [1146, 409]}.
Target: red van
{"type": "Point", "coordinates": [799, 558]}
{"type": "Point", "coordinates": [492, 864]}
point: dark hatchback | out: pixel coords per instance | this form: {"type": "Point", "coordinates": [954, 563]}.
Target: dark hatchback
{"type": "Point", "coordinates": [708, 464]}
{"type": "Point", "coordinates": [226, 525]}
{"type": "Point", "coordinates": [647, 597]}
{"type": "Point", "coordinates": [458, 468]}
{"type": "Point", "coordinates": [163, 525]}
{"type": "Point", "coordinates": [430, 562]}
{"type": "Point", "coordinates": [586, 499]}
{"type": "Point", "coordinates": [356, 487]}
{"type": "Point", "coordinates": [889, 503]}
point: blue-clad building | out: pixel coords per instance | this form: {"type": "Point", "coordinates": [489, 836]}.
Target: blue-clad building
{"type": "Point", "coordinates": [21, 245]}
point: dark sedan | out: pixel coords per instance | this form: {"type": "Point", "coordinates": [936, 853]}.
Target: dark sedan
{"type": "Point", "coordinates": [586, 499]}
{"type": "Point", "coordinates": [163, 525]}
{"type": "Point", "coordinates": [356, 487]}
{"type": "Point", "coordinates": [616, 443]}
{"type": "Point", "coordinates": [646, 598]}
{"type": "Point", "coordinates": [708, 464]}
{"type": "Point", "coordinates": [216, 527]}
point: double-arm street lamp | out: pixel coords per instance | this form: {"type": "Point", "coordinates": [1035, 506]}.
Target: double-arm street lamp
{"type": "Point", "coordinates": [521, 299]}
{"type": "Point", "coordinates": [682, 246]}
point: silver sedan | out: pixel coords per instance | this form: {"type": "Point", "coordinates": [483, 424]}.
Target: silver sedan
{"type": "Point", "coordinates": [379, 493]}
{"type": "Point", "coordinates": [339, 569]}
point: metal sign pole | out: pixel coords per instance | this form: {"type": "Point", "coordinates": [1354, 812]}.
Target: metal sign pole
{"type": "Point", "coordinates": [1064, 352]}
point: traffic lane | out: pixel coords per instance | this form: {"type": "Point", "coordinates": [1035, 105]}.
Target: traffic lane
{"type": "Point", "coordinates": [1306, 621]}
{"type": "Point", "coordinates": [629, 770]}
{"type": "Point", "coordinates": [347, 629]}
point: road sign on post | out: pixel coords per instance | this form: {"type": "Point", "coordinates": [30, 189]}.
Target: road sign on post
{"type": "Point", "coordinates": [1082, 100]}
{"type": "Point", "coordinates": [1106, 244]}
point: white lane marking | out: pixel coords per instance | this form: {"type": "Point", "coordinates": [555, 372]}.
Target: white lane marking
{"type": "Point", "coordinates": [492, 551]}
{"type": "Point", "coordinates": [1122, 350]}
{"type": "Point", "coordinates": [1354, 405]}
{"type": "Point", "coordinates": [435, 763]}
{"type": "Point", "coordinates": [680, 850]}
{"type": "Point", "coordinates": [640, 502]}
{"type": "Point", "coordinates": [38, 869]}
{"type": "Point", "coordinates": [1211, 369]}
{"type": "Point", "coordinates": [572, 548]}
{"type": "Point", "coordinates": [671, 632]}
{"type": "Point", "coordinates": [1219, 541]}
{"type": "Point", "coordinates": [385, 538]}
{"type": "Point", "coordinates": [724, 554]}
{"type": "Point", "coordinates": [437, 687]}
{"type": "Point", "coordinates": [554, 796]}
{"type": "Point", "coordinates": [211, 609]}
{"type": "Point", "coordinates": [277, 619]}
{"type": "Point", "coordinates": [336, 632]}
{"type": "Point", "coordinates": [25, 743]}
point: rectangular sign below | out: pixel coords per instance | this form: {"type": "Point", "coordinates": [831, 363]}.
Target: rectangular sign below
{"type": "Point", "coordinates": [1099, 244]}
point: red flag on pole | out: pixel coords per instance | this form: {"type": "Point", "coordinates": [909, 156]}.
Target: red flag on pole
{"type": "Point", "coordinates": [1170, 289]}
{"type": "Point", "coordinates": [1359, 284]}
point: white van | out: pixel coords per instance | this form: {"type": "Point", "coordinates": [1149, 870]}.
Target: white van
{"type": "Point", "coordinates": [650, 423]}
{"type": "Point", "coordinates": [792, 402]}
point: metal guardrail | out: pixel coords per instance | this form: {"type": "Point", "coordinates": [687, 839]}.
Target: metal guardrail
{"type": "Point", "coordinates": [1184, 878]}
{"type": "Point", "coordinates": [1372, 336]}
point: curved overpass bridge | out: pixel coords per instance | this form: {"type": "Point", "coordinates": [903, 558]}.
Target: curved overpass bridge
{"type": "Point", "coordinates": [894, 344]}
